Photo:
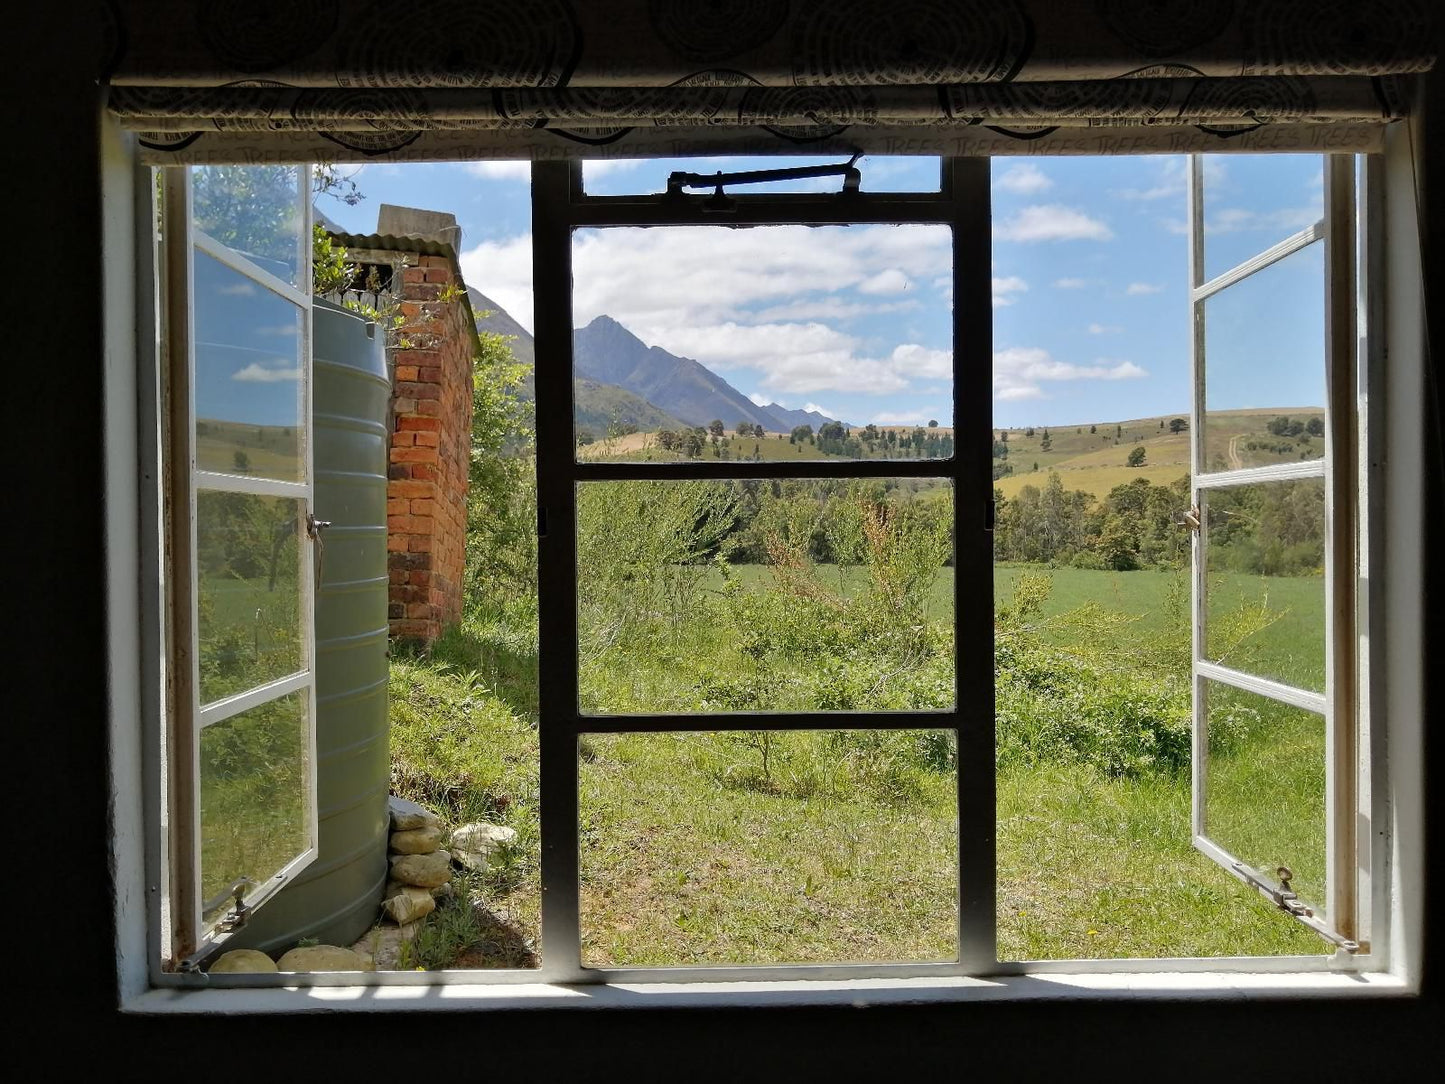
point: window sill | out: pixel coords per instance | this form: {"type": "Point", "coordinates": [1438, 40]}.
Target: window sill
{"type": "Point", "coordinates": [857, 993]}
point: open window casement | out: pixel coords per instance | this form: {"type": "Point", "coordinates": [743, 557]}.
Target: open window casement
{"type": "Point", "coordinates": [1274, 334]}
{"type": "Point", "coordinates": [240, 739]}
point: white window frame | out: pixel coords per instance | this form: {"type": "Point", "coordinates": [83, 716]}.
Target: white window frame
{"type": "Point", "coordinates": [1393, 701]}
{"type": "Point", "coordinates": [189, 935]}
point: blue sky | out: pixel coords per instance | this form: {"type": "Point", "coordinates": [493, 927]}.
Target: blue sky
{"type": "Point", "coordinates": [1090, 299]}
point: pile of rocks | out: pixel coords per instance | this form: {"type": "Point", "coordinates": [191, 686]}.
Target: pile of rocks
{"type": "Point", "coordinates": [420, 870]}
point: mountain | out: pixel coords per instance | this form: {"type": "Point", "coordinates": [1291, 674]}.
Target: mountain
{"type": "Point", "coordinates": [607, 352]}
{"type": "Point", "coordinates": [595, 405]}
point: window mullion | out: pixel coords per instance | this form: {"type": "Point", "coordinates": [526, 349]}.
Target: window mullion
{"type": "Point", "coordinates": [556, 570]}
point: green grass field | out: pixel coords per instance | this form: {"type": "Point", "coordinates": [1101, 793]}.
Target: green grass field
{"type": "Point", "coordinates": [712, 848]}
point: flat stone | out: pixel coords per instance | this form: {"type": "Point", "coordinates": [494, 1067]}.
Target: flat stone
{"type": "Point", "coordinates": [409, 905]}
{"type": "Point", "coordinates": [322, 958]}
{"type": "Point", "coordinates": [406, 815]}
{"type": "Point", "coordinates": [417, 840]}
{"type": "Point", "coordinates": [422, 870]}
{"type": "Point", "coordinates": [382, 945]}
{"type": "Point", "coordinates": [474, 844]}
{"type": "Point", "coordinates": [243, 961]}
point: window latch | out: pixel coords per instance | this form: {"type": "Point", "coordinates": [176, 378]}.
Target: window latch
{"type": "Point", "coordinates": [1283, 896]}
{"type": "Point", "coordinates": [1189, 517]}
{"type": "Point", "coordinates": [314, 527]}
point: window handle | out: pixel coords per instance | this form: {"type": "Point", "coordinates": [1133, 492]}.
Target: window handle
{"type": "Point", "coordinates": [314, 527]}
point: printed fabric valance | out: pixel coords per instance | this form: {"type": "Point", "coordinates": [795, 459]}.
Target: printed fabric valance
{"type": "Point", "coordinates": [272, 80]}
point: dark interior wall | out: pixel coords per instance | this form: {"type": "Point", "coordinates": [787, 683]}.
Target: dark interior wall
{"type": "Point", "coordinates": [56, 706]}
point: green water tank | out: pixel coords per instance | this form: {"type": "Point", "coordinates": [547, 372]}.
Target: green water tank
{"type": "Point", "coordinates": [335, 900]}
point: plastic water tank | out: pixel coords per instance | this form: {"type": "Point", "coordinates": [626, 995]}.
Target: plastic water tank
{"type": "Point", "coordinates": [335, 899]}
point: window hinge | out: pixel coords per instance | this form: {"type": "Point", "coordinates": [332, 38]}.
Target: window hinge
{"type": "Point", "coordinates": [1283, 896]}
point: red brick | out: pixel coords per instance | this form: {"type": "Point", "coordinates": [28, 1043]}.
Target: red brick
{"type": "Point", "coordinates": [403, 406]}
{"type": "Point", "coordinates": [410, 308]}
{"type": "Point", "coordinates": [396, 576]}
{"type": "Point", "coordinates": [411, 489]}
{"type": "Point", "coordinates": [418, 609]}
{"type": "Point", "coordinates": [418, 422]}
{"type": "Point", "coordinates": [406, 372]}
{"type": "Point", "coordinates": [396, 542]}
{"type": "Point", "coordinates": [434, 261]}
{"type": "Point", "coordinates": [410, 628]}
{"type": "Point", "coordinates": [423, 507]}
{"type": "Point", "coordinates": [413, 455]}
{"type": "Point", "coordinates": [414, 274]}
{"type": "Point", "coordinates": [400, 523]}
{"type": "Point", "coordinates": [403, 440]}
{"type": "Point", "coordinates": [439, 274]}
{"type": "Point", "coordinates": [397, 506]}
{"type": "Point", "coordinates": [395, 609]}
{"type": "Point", "coordinates": [419, 357]}
{"type": "Point", "coordinates": [424, 440]}
{"type": "Point", "coordinates": [419, 543]}
{"type": "Point", "coordinates": [422, 578]}
{"type": "Point", "coordinates": [415, 389]}
{"type": "Point", "coordinates": [430, 374]}
{"type": "Point", "coordinates": [423, 291]}
{"type": "Point", "coordinates": [429, 406]}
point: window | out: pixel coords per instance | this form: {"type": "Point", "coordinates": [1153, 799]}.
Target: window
{"type": "Point", "coordinates": [560, 208]}
{"type": "Point", "coordinates": [241, 748]}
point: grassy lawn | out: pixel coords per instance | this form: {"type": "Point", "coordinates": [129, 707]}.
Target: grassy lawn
{"type": "Point", "coordinates": [709, 848]}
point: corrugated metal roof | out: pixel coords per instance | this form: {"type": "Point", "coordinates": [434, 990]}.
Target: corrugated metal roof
{"type": "Point", "coordinates": [422, 246]}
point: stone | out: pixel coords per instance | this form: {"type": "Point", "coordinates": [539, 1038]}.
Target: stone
{"type": "Point", "coordinates": [322, 958]}
{"type": "Point", "coordinates": [383, 945]}
{"type": "Point", "coordinates": [406, 815]}
{"type": "Point", "coordinates": [474, 844]}
{"type": "Point", "coordinates": [243, 961]}
{"type": "Point", "coordinates": [409, 905]}
{"type": "Point", "coordinates": [422, 870]}
{"type": "Point", "coordinates": [417, 840]}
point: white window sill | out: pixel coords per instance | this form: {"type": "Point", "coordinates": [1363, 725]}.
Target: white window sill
{"type": "Point", "coordinates": [857, 993]}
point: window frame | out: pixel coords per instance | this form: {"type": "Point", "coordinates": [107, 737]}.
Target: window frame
{"type": "Point", "coordinates": [187, 713]}
{"type": "Point", "coordinates": [1092, 975]}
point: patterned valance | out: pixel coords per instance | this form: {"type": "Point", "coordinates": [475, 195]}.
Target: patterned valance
{"type": "Point", "coordinates": [547, 78]}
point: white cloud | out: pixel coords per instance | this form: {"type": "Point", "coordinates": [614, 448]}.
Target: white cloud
{"type": "Point", "coordinates": [1024, 178]}
{"type": "Point", "coordinates": [1284, 219]}
{"type": "Point", "coordinates": [1138, 289]}
{"type": "Point", "coordinates": [255, 373]}
{"type": "Point", "coordinates": [833, 308]}
{"type": "Point", "coordinates": [821, 409]}
{"type": "Point", "coordinates": [600, 167]}
{"type": "Point", "coordinates": [1019, 372]}
{"type": "Point", "coordinates": [280, 331]}
{"type": "Point", "coordinates": [1003, 287]}
{"type": "Point", "coordinates": [503, 271]}
{"type": "Point", "coordinates": [759, 399]}
{"type": "Point", "coordinates": [1104, 329]}
{"type": "Point", "coordinates": [889, 281]}
{"type": "Point", "coordinates": [921, 362]}
{"type": "Point", "coordinates": [1051, 222]}
{"type": "Point", "coordinates": [237, 289]}
{"type": "Point", "coordinates": [519, 170]}
{"type": "Point", "coordinates": [1072, 284]}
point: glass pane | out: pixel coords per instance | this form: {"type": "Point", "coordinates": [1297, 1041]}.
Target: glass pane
{"type": "Point", "coordinates": [249, 564]}
{"type": "Point", "coordinates": [799, 595]}
{"type": "Point", "coordinates": [1266, 587]}
{"type": "Point", "coordinates": [255, 210]}
{"type": "Point", "coordinates": [1265, 790]}
{"type": "Point", "coordinates": [1254, 201]}
{"type": "Point", "coordinates": [763, 847]}
{"type": "Point", "coordinates": [249, 392]}
{"type": "Point", "coordinates": [787, 343]}
{"type": "Point", "coordinates": [1265, 366]}
{"type": "Point", "coordinates": [255, 814]}
{"type": "Point", "coordinates": [648, 176]}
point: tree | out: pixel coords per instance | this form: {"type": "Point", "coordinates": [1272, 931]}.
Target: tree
{"type": "Point", "coordinates": [1177, 425]}
{"type": "Point", "coordinates": [1047, 442]}
{"type": "Point", "coordinates": [1315, 427]}
{"type": "Point", "coordinates": [667, 440]}
{"type": "Point", "coordinates": [1029, 431]}
{"type": "Point", "coordinates": [715, 428]}
{"type": "Point", "coordinates": [933, 423]}
{"type": "Point", "coordinates": [1136, 457]}
{"type": "Point", "coordinates": [1118, 431]}
{"type": "Point", "coordinates": [800, 433]}
{"type": "Point", "coordinates": [1093, 429]}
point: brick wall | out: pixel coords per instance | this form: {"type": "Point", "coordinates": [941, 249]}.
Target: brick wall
{"type": "Point", "coordinates": [426, 508]}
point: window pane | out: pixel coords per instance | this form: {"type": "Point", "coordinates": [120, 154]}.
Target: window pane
{"type": "Point", "coordinates": [1266, 584]}
{"type": "Point", "coordinates": [1253, 201]}
{"type": "Point", "coordinates": [254, 809]}
{"type": "Point", "coordinates": [799, 595]}
{"type": "Point", "coordinates": [780, 343]}
{"type": "Point", "coordinates": [761, 848]}
{"type": "Point", "coordinates": [648, 176]}
{"type": "Point", "coordinates": [1265, 789]}
{"type": "Point", "coordinates": [1265, 366]}
{"type": "Point", "coordinates": [255, 210]}
{"type": "Point", "coordinates": [249, 563]}
{"type": "Point", "coordinates": [248, 387]}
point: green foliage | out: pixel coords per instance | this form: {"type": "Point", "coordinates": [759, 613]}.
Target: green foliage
{"type": "Point", "coordinates": [1137, 457]}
